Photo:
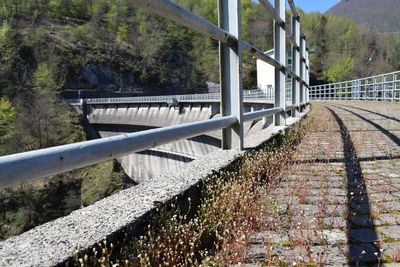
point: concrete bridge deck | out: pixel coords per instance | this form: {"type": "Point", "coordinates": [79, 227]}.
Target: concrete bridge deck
{"type": "Point", "coordinates": [339, 203]}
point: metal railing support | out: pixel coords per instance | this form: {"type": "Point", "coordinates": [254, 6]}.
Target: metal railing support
{"type": "Point", "coordinates": [307, 78]}
{"type": "Point", "coordinates": [280, 56]}
{"type": "Point", "coordinates": [231, 73]}
{"type": "Point", "coordinates": [393, 85]}
{"type": "Point", "coordinates": [36, 164]}
{"type": "Point", "coordinates": [302, 68]}
{"type": "Point", "coordinates": [374, 88]}
{"type": "Point", "coordinates": [296, 64]}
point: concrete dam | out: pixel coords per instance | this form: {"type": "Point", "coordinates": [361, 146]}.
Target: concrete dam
{"type": "Point", "coordinates": [109, 118]}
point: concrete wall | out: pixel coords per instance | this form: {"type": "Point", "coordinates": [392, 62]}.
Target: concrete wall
{"type": "Point", "coordinates": [115, 119]}
{"type": "Point", "coordinates": [265, 74]}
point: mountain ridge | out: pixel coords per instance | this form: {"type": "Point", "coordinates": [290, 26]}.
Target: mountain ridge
{"type": "Point", "coordinates": [379, 14]}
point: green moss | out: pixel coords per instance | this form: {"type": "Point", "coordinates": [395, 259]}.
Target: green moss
{"type": "Point", "coordinates": [387, 259]}
{"type": "Point", "coordinates": [284, 244]}
{"type": "Point", "coordinates": [389, 239]}
{"type": "Point", "coordinates": [340, 244]}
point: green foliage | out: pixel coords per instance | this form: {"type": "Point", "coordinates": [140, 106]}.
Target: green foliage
{"type": "Point", "coordinates": [101, 181]}
{"type": "Point", "coordinates": [123, 32]}
{"type": "Point", "coordinates": [341, 71]}
{"type": "Point", "coordinates": [8, 114]}
{"type": "Point", "coordinates": [25, 206]}
{"type": "Point", "coordinates": [44, 43]}
{"type": "Point", "coordinates": [7, 44]}
{"type": "Point", "coordinates": [28, 205]}
{"type": "Point", "coordinates": [8, 134]}
{"type": "Point", "coordinates": [392, 50]}
{"type": "Point", "coordinates": [34, 38]}
{"type": "Point", "coordinates": [44, 79]}
{"type": "Point", "coordinates": [344, 50]}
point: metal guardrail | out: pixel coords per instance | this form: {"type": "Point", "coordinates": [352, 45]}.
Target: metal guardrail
{"type": "Point", "coordinates": [247, 95]}
{"type": "Point", "coordinates": [254, 94]}
{"type": "Point", "coordinates": [40, 163]}
{"type": "Point", "coordinates": [383, 87]}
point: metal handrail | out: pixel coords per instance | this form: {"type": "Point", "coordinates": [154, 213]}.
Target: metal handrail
{"type": "Point", "coordinates": [40, 163]}
{"type": "Point", "coordinates": [382, 87]}
{"type": "Point", "coordinates": [256, 94]}
{"type": "Point", "coordinates": [49, 161]}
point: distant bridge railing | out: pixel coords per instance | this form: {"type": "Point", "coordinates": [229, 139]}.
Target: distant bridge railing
{"type": "Point", "coordinates": [247, 94]}
{"type": "Point", "coordinates": [383, 87]}
{"type": "Point", "coordinates": [256, 94]}
{"type": "Point", "coordinates": [40, 163]}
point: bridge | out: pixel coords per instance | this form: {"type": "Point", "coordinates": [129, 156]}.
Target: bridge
{"type": "Point", "coordinates": [113, 116]}
{"type": "Point", "coordinates": [335, 203]}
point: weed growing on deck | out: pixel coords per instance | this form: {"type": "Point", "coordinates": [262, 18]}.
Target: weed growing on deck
{"type": "Point", "coordinates": [218, 231]}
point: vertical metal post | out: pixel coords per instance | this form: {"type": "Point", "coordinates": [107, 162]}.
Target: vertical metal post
{"type": "Point", "coordinates": [296, 65]}
{"type": "Point", "coordinates": [280, 56]}
{"type": "Point", "coordinates": [306, 97]}
{"type": "Point", "coordinates": [393, 86]}
{"type": "Point", "coordinates": [302, 68]}
{"type": "Point", "coordinates": [231, 73]}
{"type": "Point", "coordinates": [367, 89]}
{"type": "Point", "coordinates": [320, 93]}
{"type": "Point", "coordinates": [384, 88]}
{"type": "Point", "coordinates": [349, 91]}
{"type": "Point", "coordinates": [365, 86]}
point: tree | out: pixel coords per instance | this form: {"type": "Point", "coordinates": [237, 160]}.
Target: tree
{"type": "Point", "coordinates": [8, 135]}
{"type": "Point", "coordinates": [8, 114]}
{"type": "Point", "coordinates": [341, 71]}
{"type": "Point", "coordinates": [45, 79]}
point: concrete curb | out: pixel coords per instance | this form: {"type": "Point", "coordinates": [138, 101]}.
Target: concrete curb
{"type": "Point", "coordinates": [55, 242]}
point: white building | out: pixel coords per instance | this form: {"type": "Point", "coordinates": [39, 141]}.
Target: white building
{"type": "Point", "coordinates": [266, 73]}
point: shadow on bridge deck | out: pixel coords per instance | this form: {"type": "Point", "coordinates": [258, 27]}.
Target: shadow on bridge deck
{"type": "Point", "coordinates": [357, 203]}
{"type": "Point", "coordinates": [340, 198]}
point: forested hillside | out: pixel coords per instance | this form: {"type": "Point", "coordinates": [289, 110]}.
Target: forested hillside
{"type": "Point", "coordinates": [345, 50]}
{"type": "Point", "coordinates": [51, 46]}
{"type": "Point", "coordinates": [383, 15]}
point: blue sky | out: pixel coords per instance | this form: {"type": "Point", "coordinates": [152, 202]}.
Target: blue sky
{"type": "Point", "coordinates": [315, 5]}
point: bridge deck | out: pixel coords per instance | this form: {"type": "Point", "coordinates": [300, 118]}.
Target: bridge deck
{"type": "Point", "coordinates": [340, 200]}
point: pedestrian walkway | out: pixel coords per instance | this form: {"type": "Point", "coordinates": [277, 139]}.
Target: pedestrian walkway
{"type": "Point", "coordinates": [339, 202]}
